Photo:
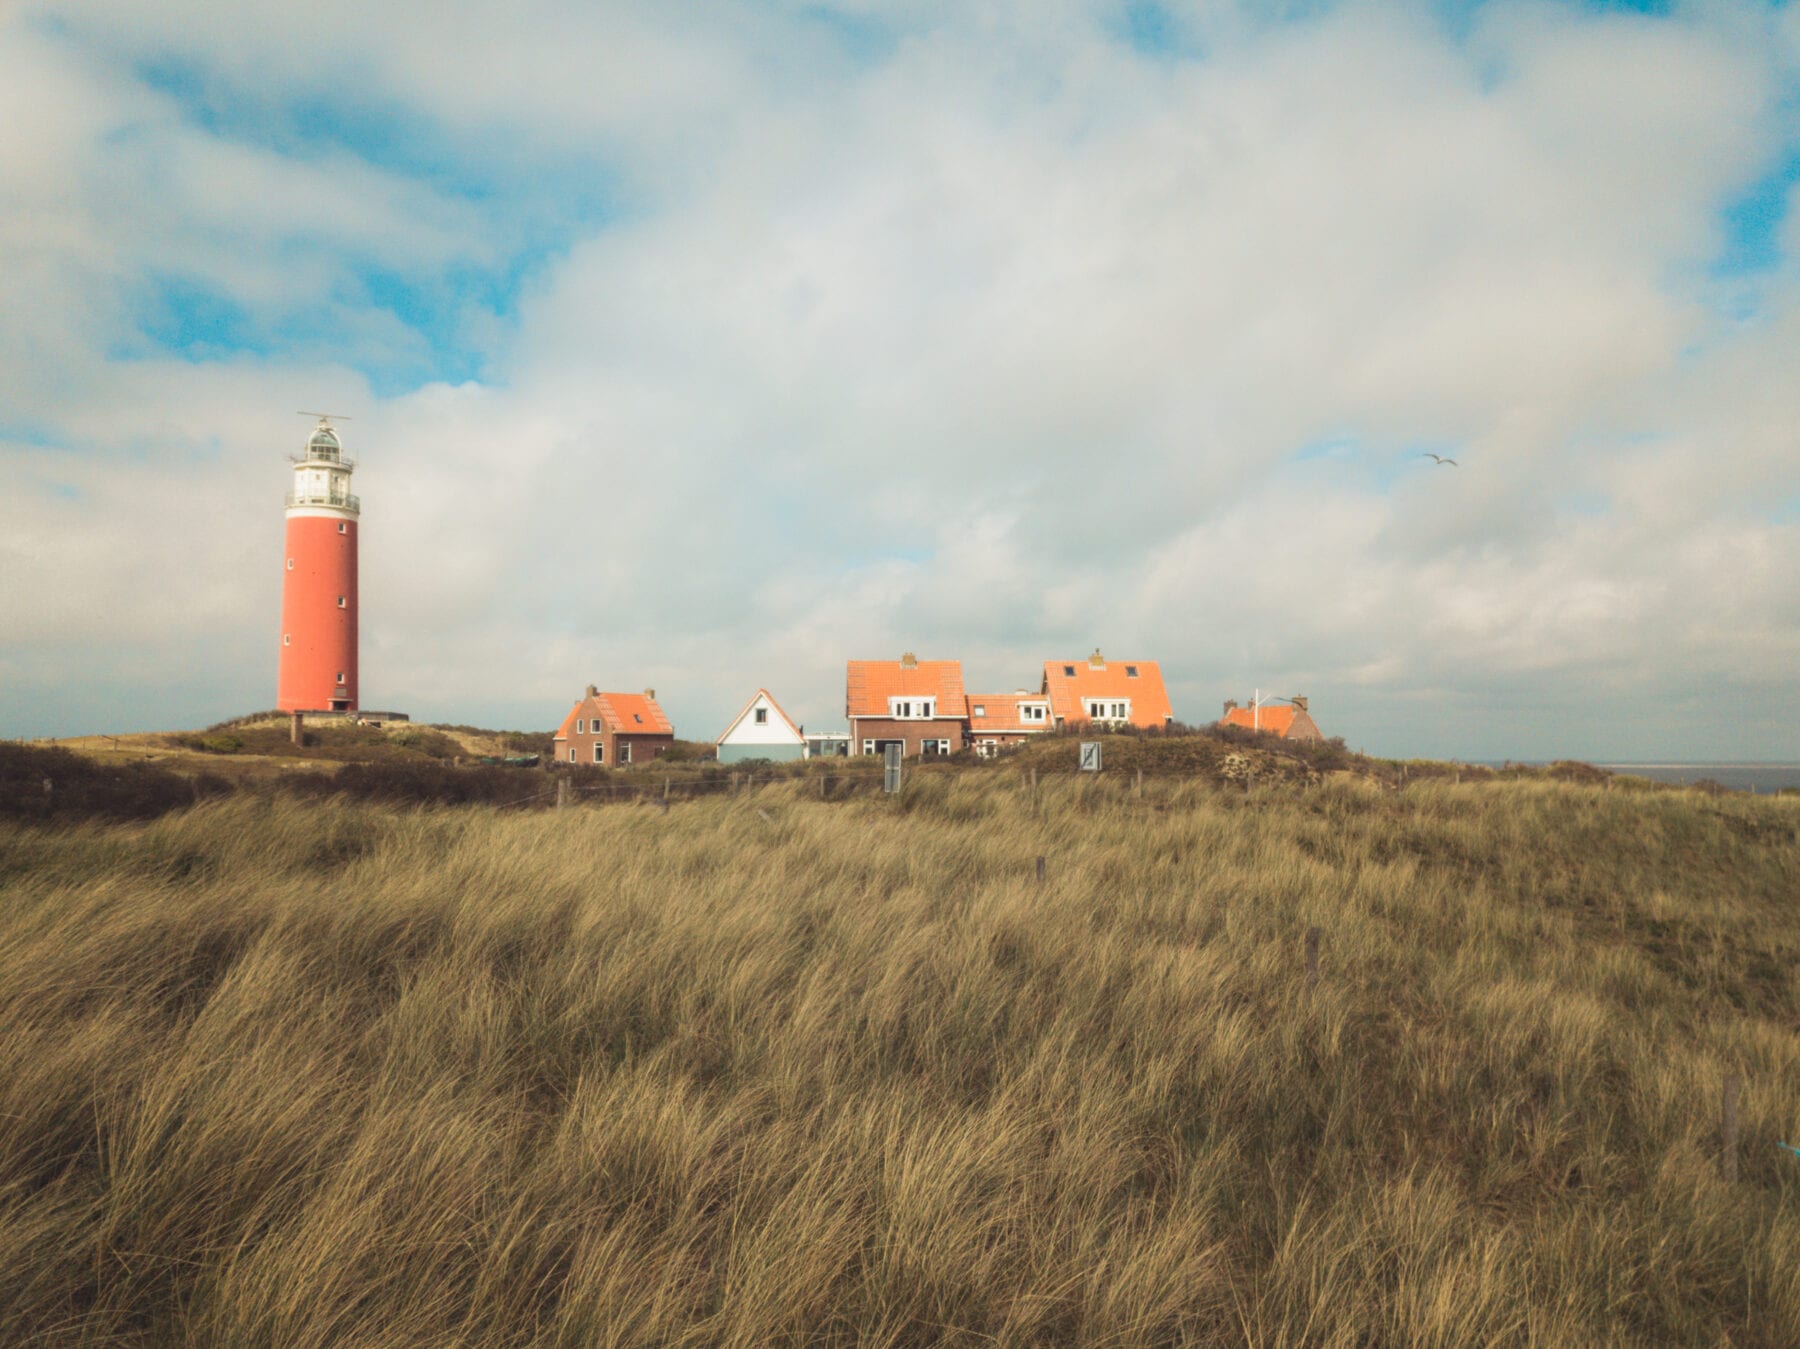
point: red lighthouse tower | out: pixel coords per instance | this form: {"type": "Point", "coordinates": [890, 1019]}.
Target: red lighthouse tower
{"type": "Point", "coordinates": [318, 593]}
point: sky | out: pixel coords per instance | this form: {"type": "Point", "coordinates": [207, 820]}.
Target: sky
{"type": "Point", "coordinates": [704, 347]}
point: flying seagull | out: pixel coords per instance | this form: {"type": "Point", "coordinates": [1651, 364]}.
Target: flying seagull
{"type": "Point", "coordinates": [1440, 458]}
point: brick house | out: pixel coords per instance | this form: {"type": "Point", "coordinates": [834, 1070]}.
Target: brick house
{"type": "Point", "coordinates": [1290, 721]}
{"type": "Point", "coordinates": [997, 720]}
{"type": "Point", "coordinates": [616, 729]}
{"type": "Point", "coordinates": [1118, 693]}
{"type": "Point", "coordinates": [918, 704]}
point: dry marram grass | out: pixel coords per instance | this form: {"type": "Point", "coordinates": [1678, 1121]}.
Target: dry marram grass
{"type": "Point", "coordinates": [767, 1069]}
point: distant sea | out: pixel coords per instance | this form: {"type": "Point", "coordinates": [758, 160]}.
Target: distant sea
{"type": "Point", "coordinates": [1761, 778]}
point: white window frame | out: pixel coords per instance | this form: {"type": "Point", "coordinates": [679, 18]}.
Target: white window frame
{"type": "Point", "coordinates": [760, 716]}
{"type": "Point", "coordinates": [287, 639]}
{"type": "Point", "coordinates": [580, 725]}
{"type": "Point", "coordinates": [343, 526]}
{"type": "Point", "coordinates": [1107, 709]}
{"type": "Point", "coordinates": [343, 603]}
{"type": "Point", "coordinates": [290, 564]}
{"type": "Point", "coordinates": [599, 751]}
{"type": "Point", "coordinates": [868, 746]}
{"type": "Point", "coordinates": [624, 754]}
{"type": "Point", "coordinates": [978, 710]}
{"type": "Point", "coordinates": [571, 754]}
{"type": "Point", "coordinates": [912, 709]}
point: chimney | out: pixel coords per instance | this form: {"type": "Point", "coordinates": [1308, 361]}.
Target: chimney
{"type": "Point", "coordinates": [909, 661]}
{"type": "Point", "coordinates": [650, 694]}
{"type": "Point", "coordinates": [1298, 702]}
{"type": "Point", "coordinates": [1230, 704]}
{"type": "Point", "coordinates": [1097, 661]}
{"type": "Point", "coordinates": [593, 692]}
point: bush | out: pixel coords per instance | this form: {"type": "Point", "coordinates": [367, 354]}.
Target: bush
{"type": "Point", "coordinates": [82, 789]}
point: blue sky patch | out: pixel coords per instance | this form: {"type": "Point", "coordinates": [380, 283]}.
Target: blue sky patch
{"type": "Point", "coordinates": [182, 316]}
{"type": "Point", "coordinates": [1753, 221]}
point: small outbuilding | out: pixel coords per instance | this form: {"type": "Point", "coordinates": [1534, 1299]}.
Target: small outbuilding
{"type": "Point", "coordinates": [761, 731]}
{"type": "Point", "coordinates": [1288, 719]}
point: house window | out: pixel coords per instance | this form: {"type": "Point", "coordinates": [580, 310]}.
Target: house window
{"type": "Point", "coordinates": [762, 716]}
{"type": "Point", "coordinates": [599, 751]}
{"type": "Point", "coordinates": [979, 710]}
{"type": "Point", "coordinates": [624, 751]}
{"type": "Point", "coordinates": [1099, 709]}
{"type": "Point", "coordinates": [580, 726]}
{"type": "Point", "coordinates": [571, 754]}
{"type": "Point", "coordinates": [868, 747]}
{"type": "Point", "coordinates": [1032, 712]}
{"type": "Point", "coordinates": [1131, 672]}
{"type": "Point", "coordinates": [930, 749]}
{"type": "Point", "coordinates": [341, 603]}
{"type": "Point", "coordinates": [1068, 671]}
{"type": "Point", "coordinates": [911, 709]}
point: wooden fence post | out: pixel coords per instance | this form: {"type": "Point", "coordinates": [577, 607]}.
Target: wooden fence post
{"type": "Point", "coordinates": [1139, 786]}
{"type": "Point", "coordinates": [1728, 1129]}
{"type": "Point", "coordinates": [1312, 956]}
{"type": "Point", "coordinates": [665, 789]}
{"type": "Point", "coordinates": [1040, 871]}
{"type": "Point", "coordinates": [821, 786]}
{"type": "Point", "coordinates": [562, 793]}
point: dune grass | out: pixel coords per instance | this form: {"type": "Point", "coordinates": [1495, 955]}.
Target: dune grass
{"type": "Point", "coordinates": [769, 1069]}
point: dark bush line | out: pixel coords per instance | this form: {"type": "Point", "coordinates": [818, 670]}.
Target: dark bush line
{"type": "Point", "coordinates": [82, 789]}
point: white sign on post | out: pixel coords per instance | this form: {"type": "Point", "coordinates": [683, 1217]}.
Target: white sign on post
{"type": "Point", "coordinates": [892, 755]}
{"type": "Point", "coordinates": [1090, 756]}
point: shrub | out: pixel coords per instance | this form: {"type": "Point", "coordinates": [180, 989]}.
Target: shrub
{"type": "Point", "coordinates": [83, 789]}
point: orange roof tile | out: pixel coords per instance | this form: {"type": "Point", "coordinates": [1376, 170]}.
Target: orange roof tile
{"type": "Point", "coordinates": [623, 713]}
{"type": "Point", "coordinates": [1273, 719]}
{"type": "Point", "coordinates": [632, 714]}
{"type": "Point", "coordinates": [1002, 712]}
{"type": "Point", "coordinates": [1069, 681]}
{"type": "Point", "coordinates": [868, 684]}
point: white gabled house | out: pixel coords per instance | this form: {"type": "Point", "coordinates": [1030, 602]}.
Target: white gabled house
{"type": "Point", "coordinates": [761, 731]}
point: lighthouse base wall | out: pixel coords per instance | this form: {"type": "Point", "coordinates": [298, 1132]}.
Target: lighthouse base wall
{"type": "Point", "coordinates": [318, 671]}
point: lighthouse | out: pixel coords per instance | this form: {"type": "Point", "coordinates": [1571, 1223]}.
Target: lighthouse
{"type": "Point", "coordinates": [318, 591]}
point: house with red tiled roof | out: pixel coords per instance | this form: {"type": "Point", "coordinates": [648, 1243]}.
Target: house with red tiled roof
{"type": "Point", "coordinates": [1116, 692]}
{"type": "Point", "coordinates": [1289, 719]}
{"type": "Point", "coordinates": [997, 720]}
{"type": "Point", "coordinates": [615, 729]}
{"type": "Point", "coordinates": [917, 704]}
{"type": "Point", "coordinates": [761, 730]}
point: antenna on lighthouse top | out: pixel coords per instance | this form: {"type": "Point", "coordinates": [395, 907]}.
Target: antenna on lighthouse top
{"type": "Point", "coordinates": [326, 416]}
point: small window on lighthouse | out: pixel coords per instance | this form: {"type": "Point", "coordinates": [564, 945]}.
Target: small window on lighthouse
{"type": "Point", "coordinates": [287, 639]}
{"type": "Point", "coordinates": [290, 564]}
{"type": "Point", "coordinates": [340, 601]}
{"type": "Point", "coordinates": [343, 527]}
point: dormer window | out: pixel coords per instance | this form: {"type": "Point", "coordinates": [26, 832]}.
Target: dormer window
{"type": "Point", "coordinates": [1102, 709]}
{"type": "Point", "coordinates": [911, 709]}
{"type": "Point", "coordinates": [1033, 712]}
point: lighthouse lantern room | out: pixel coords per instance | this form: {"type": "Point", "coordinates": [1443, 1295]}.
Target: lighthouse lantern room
{"type": "Point", "coordinates": [318, 593]}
